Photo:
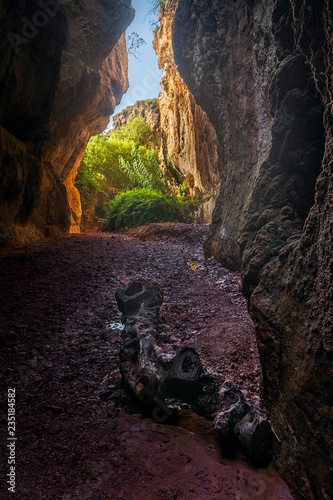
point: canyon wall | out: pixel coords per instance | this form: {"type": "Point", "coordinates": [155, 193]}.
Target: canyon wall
{"type": "Point", "coordinates": [184, 133]}
{"type": "Point", "coordinates": [64, 69]}
{"type": "Point", "coordinates": [188, 138]}
{"type": "Point", "coordinates": [263, 73]}
{"type": "Point", "coordinates": [148, 109]}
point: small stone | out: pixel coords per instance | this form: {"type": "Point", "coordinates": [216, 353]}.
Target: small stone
{"type": "Point", "coordinates": [38, 378]}
{"type": "Point", "coordinates": [32, 362]}
{"type": "Point", "coordinates": [116, 461]}
{"type": "Point", "coordinates": [27, 424]}
{"type": "Point", "coordinates": [19, 325]}
{"type": "Point", "coordinates": [34, 445]}
{"type": "Point", "coordinates": [293, 238]}
{"type": "Point", "coordinates": [105, 395]}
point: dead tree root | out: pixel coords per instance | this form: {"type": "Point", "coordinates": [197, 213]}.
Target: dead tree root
{"type": "Point", "coordinates": [154, 377]}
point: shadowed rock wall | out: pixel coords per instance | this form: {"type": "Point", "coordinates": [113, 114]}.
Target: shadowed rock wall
{"type": "Point", "coordinates": [64, 69]}
{"type": "Point", "coordinates": [263, 73]}
{"type": "Point", "coordinates": [212, 52]}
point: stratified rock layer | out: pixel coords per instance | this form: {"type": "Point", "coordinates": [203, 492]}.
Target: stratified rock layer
{"type": "Point", "coordinates": [263, 73]}
{"type": "Point", "coordinates": [64, 69]}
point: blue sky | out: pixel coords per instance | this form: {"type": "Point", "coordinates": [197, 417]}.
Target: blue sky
{"type": "Point", "coordinates": [144, 74]}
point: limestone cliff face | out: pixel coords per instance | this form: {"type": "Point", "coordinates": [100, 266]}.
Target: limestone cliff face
{"type": "Point", "coordinates": [187, 136]}
{"type": "Point", "coordinates": [64, 70]}
{"type": "Point", "coordinates": [149, 110]}
{"type": "Point", "coordinates": [87, 105]}
{"type": "Point", "coordinates": [263, 73]}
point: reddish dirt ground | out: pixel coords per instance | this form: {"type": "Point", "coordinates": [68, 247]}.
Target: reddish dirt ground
{"type": "Point", "coordinates": [78, 435]}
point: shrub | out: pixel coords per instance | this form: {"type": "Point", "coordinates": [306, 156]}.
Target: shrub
{"type": "Point", "coordinates": [143, 206]}
{"type": "Point", "coordinates": [124, 159]}
{"type": "Point", "coordinates": [100, 166]}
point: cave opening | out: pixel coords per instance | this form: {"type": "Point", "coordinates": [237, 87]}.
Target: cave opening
{"type": "Point", "coordinates": [154, 142]}
{"type": "Point", "coordinates": [212, 183]}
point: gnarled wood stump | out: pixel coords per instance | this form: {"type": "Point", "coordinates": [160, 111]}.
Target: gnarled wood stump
{"type": "Point", "coordinates": [153, 376]}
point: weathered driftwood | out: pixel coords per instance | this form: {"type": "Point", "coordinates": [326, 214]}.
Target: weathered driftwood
{"type": "Point", "coordinates": [238, 418]}
{"type": "Point", "coordinates": [146, 370]}
{"type": "Point", "coordinates": [153, 377]}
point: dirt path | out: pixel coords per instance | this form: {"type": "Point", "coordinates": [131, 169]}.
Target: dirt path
{"type": "Point", "coordinates": [78, 435]}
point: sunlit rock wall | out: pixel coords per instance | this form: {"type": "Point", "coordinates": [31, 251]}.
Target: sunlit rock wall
{"type": "Point", "coordinates": [64, 69]}
{"type": "Point", "coordinates": [263, 73]}
{"type": "Point", "coordinates": [148, 109]}
{"type": "Point", "coordinates": [188, 138]}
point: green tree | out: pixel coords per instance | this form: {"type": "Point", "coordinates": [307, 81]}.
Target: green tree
{"type": "Point", "coordinates": [100, 164]}
{"type": "Point", "coordinates": [136, 130]}
{"type": "Point", "coordinates": [124, 159]}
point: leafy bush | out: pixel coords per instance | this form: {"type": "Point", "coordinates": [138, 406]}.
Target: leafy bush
{"type": "Point", "coordinates": [143, 206]}
{"type": "Point", "coordinates": [123, 159]}
{"type": "Point", "coordinates": [150, 103]}
{"type": "Point", "coordinates": [100, 164]}
{"type": "Point", "coordinates": [183, 189]}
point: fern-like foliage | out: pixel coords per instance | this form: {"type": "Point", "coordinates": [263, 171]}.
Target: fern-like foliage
{"type": "Point", "coordinates": [144, 206]}
{"type": "Point", "coordinates": [144, 171]}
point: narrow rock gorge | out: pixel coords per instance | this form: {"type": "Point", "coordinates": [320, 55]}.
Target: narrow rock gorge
{"type": "Point", "coordinates": [64, 70]}
{"type": "Point", "coordinates": [186, 135]}
{"type": "Point", "coordinates": [263, 73]}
